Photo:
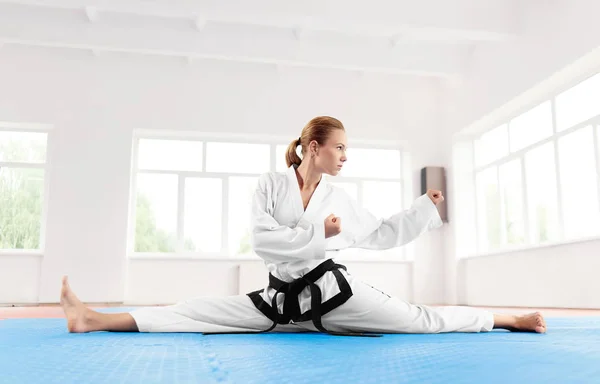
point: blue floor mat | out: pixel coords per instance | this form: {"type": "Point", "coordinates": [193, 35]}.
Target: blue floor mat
{"type": "Point", "coordinates": [41, 351]}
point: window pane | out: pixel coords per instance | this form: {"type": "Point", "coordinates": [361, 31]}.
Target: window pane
{"type": "Point", "coordinates": [578, 104]}
{"type": "Point", "coordinates": [202, 214]}
{"type": "Point", "coordinates": [541, 193]}
{"type": "Point", "coordinates": [156, 213]}
{"type": "Point", "coordinates": [579, 187]}
{"type": "Point", "coordinates": [241, 191]}
{"type": "Point", "coordinates": [511, 187]}
{"type": "Point", "coordinates": [25, 147]}
{"type": "Point", "coordinates": [174, 155]}
{"type": "Point", "coordinates": [464, 196]}
{"type": "Point", "coordinates": [382, 198]}
{"type": "Point", "coordinates": [238, 157]}
{"type": "Point", "coordinates": [379, 163]}
{"type": "Point", "coordinates": [21, 192]}
{"type": "Point", "coordinates": [491, 146]}
{"type": "Point", "coordinates": [350, 188]}
{"type": "Point", "coordinates": [488, 209]}
{"type": "Point", "coordinates": [531, 127]}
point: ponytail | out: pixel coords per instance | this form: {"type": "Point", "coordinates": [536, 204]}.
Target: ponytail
{"type": "Point", "coordinates": [291, 157]}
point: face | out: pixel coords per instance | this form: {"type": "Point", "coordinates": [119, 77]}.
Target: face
{"type": "Point", "coordinates": [332, 155]}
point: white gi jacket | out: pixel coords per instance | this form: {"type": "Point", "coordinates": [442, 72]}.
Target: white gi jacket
{"type": "Point", "coordinates": [292, 241]}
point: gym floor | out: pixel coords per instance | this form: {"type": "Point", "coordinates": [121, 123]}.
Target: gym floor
{"type": "Point", "coordinates": [35, 347]}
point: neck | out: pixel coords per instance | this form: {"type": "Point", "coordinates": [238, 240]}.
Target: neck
{"type": "Point", "coordinates": [308, 177]}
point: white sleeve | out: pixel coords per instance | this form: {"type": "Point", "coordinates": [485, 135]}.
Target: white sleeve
{"type": "Point", "coordinates": [279, 243]}
{"type": "Point", "coordinates": [399, 229]}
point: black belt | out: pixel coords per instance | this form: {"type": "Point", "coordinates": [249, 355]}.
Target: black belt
{"type": "Point", "coordinates": [291, 305]}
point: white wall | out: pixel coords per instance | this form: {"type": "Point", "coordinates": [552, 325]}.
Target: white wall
{"type": "Point", "coordinates": [553, 36]}
{"type": "Point", "coordinates": [559, 48]}
{"type": "Point", "coordinates": [151, 281]}
{"type": "Point", "coordinates": [95, 103]}
{"type": "Point", "coordinates": [558, 276]}
{"type": "Point", "coordinates": [19, 278]}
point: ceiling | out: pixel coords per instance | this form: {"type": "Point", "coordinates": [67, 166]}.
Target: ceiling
{"type": "Point", "coordinates": [421, 38]}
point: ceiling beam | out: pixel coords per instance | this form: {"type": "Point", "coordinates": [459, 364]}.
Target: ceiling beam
{"type": "Point", "coordinates": [464, 20]}
{"type": "Point", "coordinates": [425, 67]}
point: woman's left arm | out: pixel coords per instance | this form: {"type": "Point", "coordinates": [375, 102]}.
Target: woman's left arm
{"type": "Point", "coordinates": [400, 228]}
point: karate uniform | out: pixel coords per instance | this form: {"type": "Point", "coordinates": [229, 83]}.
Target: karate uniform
{"type": "Point", "coordinates": [299, 258]}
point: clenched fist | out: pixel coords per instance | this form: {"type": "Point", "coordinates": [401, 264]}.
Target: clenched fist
{"type": "Point", "coordinates": [333, 226]}
{"type": "Point", "coordinates": [435, 196]}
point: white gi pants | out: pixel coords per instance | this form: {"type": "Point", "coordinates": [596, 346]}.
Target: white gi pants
{"type": "Point", "coordinates": [368, 310]}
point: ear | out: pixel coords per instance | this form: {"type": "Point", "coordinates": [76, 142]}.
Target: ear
{"type": "Point", "coordinates": [313, 148]}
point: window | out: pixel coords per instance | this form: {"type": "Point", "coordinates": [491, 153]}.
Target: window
{"type": "Point", "coordinates": [237, 157]}
{"type": "Point", "coordinates": [540, 170]}
{"type": "Point", "coordinates": [22, 185]}
{"type": "Point", "coordinates": [202, 214]}
{"type": "Point", "coordinates": [464, 195]}
{"type": "Point", "coordinates": [536, 178]}
{"type": "Point", "coordinates": [194, 197]}
{"type": "Point", "coordinates": [511, 188]}
{"type": "Point", "coordinates": [180, 198]}
{"type": "Point", "coordinates": [241, 190]}
{"type": "Point", "coordinates": [579, 184]}
{"type": "Point", "coordinates": [488, 208]}
{"type": "Point", "coordinates": [491, 146]}
{"type": "Point", "coordinates": [578, 103]}
{"type": "Point", "coordinates": [170, 155]}
{"type": "Point", "coordinates": [531, 127]}
{"type": "Point", "coordinates": [156, 213]}
{"type": "Point", "coordinates": [500, 206]}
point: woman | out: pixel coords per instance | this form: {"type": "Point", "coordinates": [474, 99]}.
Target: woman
{"type": "Point", "coordinates": [299, 223]}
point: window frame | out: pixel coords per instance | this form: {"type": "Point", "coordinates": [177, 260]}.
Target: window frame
{"type": "Point", "coordinates": [45, 167]}
{"type": "Point", "coordinates": [273, 142]}
{"type": "Point", "coordinates": [593, 121]}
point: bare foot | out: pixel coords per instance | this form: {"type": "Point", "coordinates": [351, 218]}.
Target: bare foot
{"type": "Point", "coordinates": [532, 322]}
{"type": "Point", "coordinates": [76, 313]}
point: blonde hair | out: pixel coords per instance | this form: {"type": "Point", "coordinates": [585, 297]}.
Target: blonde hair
{"type": "Point", "coordinates": [317, 129]}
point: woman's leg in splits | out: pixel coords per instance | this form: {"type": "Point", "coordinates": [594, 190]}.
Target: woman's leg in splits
{"type": "Point", "coordinates": [370, 310]}
{"type": "Point", "coordinates": [230, 314]}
